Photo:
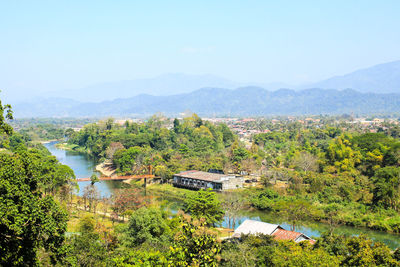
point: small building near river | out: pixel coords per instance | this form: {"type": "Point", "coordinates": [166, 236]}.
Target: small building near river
{"type": "Point", "coordinates": [203, 180]}
{"type": "Point", "coordinates": [252, 227]}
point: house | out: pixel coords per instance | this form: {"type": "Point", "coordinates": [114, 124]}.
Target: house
{"type": "Point", "coordinates": [203, 180]}
{"type": "Point", "coordinates": [255, 228]}
{"type": "Point", "coordinates": [282, 234]}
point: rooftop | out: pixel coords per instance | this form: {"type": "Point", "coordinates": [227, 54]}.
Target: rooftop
{"type": "Point", "coordinates": [205, 176]}
{"type": "Point", "coordinates": [282, 234]}
{"type": "Point", "coordinates": [256, 227]}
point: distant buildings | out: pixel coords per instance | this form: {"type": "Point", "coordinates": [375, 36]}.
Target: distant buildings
{"type": "Point", "coordinates": [203, 180]}
{"type": "Point", "coordinates": [251, 227]}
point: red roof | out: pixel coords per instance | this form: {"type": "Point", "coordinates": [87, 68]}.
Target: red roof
{"type": "Point", "coordinates": [282, 234]}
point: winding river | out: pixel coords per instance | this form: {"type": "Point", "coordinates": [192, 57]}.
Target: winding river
{"type": "Point", "coordinates": [84, 166]}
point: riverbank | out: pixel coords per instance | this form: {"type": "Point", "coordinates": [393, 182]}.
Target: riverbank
{"type": "Point", "coordinates": [50, 141]}
{"type": "Point", "coordinates": [106, 168]}
{"type": "Point", "coordinates": [84, 165]}
{"type": "Point", "coordinates": [351, 214]}
{"type": "Point", "coordinates": [71, 147]}
{"type": "Point", "coordinates": [313, 228]}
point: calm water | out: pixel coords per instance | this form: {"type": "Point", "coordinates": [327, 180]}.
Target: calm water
{"type": "Point", "coordinates": [312, 229]}
{"type": "Point", "coordinates": [84, 166]}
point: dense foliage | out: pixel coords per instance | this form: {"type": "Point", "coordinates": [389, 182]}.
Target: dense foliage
{"type": "Point", "coordinates": [339, 174]}
{"type": "Point", "coordinates": [188, 144]}
{"type": "Point", "coordinates": [31, 219]}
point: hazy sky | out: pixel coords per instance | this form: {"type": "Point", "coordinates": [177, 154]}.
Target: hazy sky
{"type": "Point", "coordinates": [52, 45]}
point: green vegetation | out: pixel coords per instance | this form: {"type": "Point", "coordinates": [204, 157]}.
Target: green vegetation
{"type": "Point", "coordinates": [342, 178]}
{"type": "Point", "coordinates": [204, 205]}
{"type": "Point", "coordinates": [332, 173]}
{"type": "Point", "coordinates": [31, 219]}
{"type": "Point", "coordinates": [189, 144]}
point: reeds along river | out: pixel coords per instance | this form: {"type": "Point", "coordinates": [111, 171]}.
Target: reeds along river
{"type": "Point", "coordinates": [84, 166]}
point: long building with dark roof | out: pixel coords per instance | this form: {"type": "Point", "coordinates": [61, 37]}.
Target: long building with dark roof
{"type": "Point", "coordinates": [203, 180]}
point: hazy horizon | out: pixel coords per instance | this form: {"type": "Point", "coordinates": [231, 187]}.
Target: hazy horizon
{"type": "Point", "coordinates": [56, 46]}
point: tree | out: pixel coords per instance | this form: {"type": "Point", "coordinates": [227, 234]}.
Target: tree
{"type": "Point", "coordinates": [112, 148]}
{"type": "Point", "coordinates": [294, 254]}
{"type": "Point", "coordinates": [332, 211]}
{"type": "Point", "coordinates": [28, 219]}
{"type": "Point", "coordinates": [140, 258]}
{"type": "Point", "coordinates": [357, 250]}
{"type": "Point", "coordinates": [341, 155]}
{"type": "Point", "coordinates": [204, 204]}
{"type": "Point", "coordinates": [306, 161]}
{"type": "Point", "coordinates": [124, 159]}
{"type": "Point", "coordinates": [146, 225]}
{"type": "Point", "coordinates": [195, 245]}
{"type": "Point", "coordinates": [94, 179]}
{"type": "Point", "coordinates": [239, 154]}
{"type": "Point", "coordinates": [232, 204]}
{"type": "Point", "coordinates": [127, 199]}
{"type": "Point", "coordinates": [91, 194]}
{"type": "Point", "coordinates": [295, 211]}
{"type": "Point", "coordinates": [163, 172]}
{"type": "Point", "coordinates": [177, 126]}
{"type": "Point", "coordinates": [387, 188]}
{"type": "Point", "coordinates": [4, 127]}
{"type": "Point", "coordinates": [69, 132]}
{"type": "Point", "coordinates": [362, 251]}
{"type": "Point", "coordinates": [86, 247]}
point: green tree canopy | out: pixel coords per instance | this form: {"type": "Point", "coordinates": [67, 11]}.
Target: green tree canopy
{"type": "Point", "coordinates": [146, 225]}
{"type": "Point", "coordinates": [204, 204]}
{"type": "Point", "coordinates": [28, 220]}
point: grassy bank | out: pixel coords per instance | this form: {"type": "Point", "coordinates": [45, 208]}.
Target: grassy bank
{"type": "Point", "coordinates": [168, 191]}
{"type": "Point", "coordinates": [309, 208]}
{"type": "Point", "coordinates": [71, 147]}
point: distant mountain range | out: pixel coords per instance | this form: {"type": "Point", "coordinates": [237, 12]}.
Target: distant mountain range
{"type": "Point", "coordinates": [383, 78]}
{"type": "Point", "coordinates": [371, 90]}
{"type": "Point", "coordinates": [167, 84]}
{"type": "Point", "coordinates": [246, 101]}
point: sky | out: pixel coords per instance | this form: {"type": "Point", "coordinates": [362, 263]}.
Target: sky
{"type": "Point", "coordinates": [58, 45]}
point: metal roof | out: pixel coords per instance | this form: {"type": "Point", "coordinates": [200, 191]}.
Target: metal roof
{"type": "Point", "coordinates": [205, 176]}
{"type": "Point", "coordinates": [256, 227]}
{"type": "Point", "coordinates": [282, 234]}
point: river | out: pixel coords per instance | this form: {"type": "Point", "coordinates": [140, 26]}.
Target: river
{"type": "Point", "coordinates": [84, 166]}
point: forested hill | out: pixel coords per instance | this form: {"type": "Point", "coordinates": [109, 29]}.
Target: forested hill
{"type": "Point", "coordinates": [246, 101]}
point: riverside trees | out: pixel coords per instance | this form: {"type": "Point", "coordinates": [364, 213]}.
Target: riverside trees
{"type": "Point", "coordinates": [30, 217]}
{"type": "Point", "coordinates": [191, 144]}
{"type": "Point", "coordinates": [357, 172]}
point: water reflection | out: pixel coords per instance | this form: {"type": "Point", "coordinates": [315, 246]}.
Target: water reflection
{"type": "Point", "coordinates": [312, 229]}
{"type": "Point", "coordinates": [84, 166]}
